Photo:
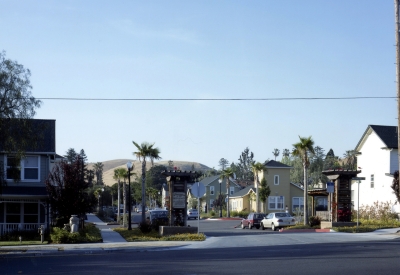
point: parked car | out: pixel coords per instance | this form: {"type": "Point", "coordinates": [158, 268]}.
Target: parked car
{"type": "Point", "coordinates": [252, 220]}
{"type": "Point", "coordinates": [277, 220]}
{"type": "Point", "coordinates": [157, 217]}
{"type": "Point", "coordinates": [192, 214]}
{"type": "Point", "coordinates": [139, 209]}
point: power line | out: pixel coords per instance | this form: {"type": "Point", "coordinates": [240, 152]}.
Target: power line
{"type": "Point", "coordinates": [218, 99]}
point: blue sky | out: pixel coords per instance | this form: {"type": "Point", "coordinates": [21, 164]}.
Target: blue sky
{"type": "Point", "coordinates": [205, 50]}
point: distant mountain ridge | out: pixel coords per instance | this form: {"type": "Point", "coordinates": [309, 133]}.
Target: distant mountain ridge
{"type": "Point", "coordinates": [110, 165]}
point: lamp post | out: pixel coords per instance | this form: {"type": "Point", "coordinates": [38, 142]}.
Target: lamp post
{"type": "Point", "coordinates": [102, 198]}
{"type": "Point", "coordinates": [219, 199]}
{"type": "Point", "coordinates": [129, 166]}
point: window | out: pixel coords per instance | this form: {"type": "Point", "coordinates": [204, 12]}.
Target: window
{"type": "Point", "coordinates": [211, 203]}
{"type": "Point", "coordinates": [276, 180]}
{"type": "Point", "coordinates": [13, 212]}
{"type": "Point", "coordinates": [27, 169]}
{"type": "Point", "coordinates": [321, 204]}
{"type": "Point", "coordinates": [275, 202]}
{"type": "Point", "coordinates": [31, 213]}
{"type": "Point", "coordinates": [211, 190]}
{"type": "Point", "coordinates": [297, 204]}
{"type": "Point", "coordinates": [231, 190]}
{"type": "Point", "coordinates": [372, 181]}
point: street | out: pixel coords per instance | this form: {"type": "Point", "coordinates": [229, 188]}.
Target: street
{"type": "Point", "coordinates": [350, 258]}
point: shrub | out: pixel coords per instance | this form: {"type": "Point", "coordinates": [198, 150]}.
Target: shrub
{"type": "Point", "coordinates": [145, 227]}
{"type": "Point", "coordinates": [377, 211]}
{"type": "Point", "coordinates": [314, 221]}
{"type": "Point", "coordinates": [87, 235]}
{"type": "Point", "coordinates": [212, 213]}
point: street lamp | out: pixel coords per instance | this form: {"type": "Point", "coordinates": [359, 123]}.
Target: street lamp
{"type": "Point", "coordinates": [102, 198]}
{"type": "Point", "coordinates": [219, 199]}
{"type": "Point", "coordinates": [129, 166]}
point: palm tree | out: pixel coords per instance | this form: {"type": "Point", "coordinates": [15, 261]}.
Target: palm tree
{"type": "Point", "coordinates": [145, 151]}
{"type": "Point", "coordinates": [226, 174]}
{"type": "Point", "coordinates": [257, 167]}
{"type": "Point", "coordinates": [302, 149]}
{"type": "Point", "coordinates": [276, 152]}
{"type": "Point", "coordinates": [119, 173]}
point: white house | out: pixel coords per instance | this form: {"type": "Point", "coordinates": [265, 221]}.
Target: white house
{"type": "Point", "coordinates": [377, 160]}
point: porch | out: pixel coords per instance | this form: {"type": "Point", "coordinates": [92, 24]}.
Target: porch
{"type": "Point", "coordinates": [10, 227]}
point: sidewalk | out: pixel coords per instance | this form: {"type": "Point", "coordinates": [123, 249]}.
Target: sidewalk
{"type": "Point", "coordinates": [108, 235]}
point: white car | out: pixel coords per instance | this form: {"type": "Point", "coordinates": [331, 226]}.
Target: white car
{"type": "Point", "coordinates": [192, 214]}
{"type": "Point", "coordinates": [277, 220]}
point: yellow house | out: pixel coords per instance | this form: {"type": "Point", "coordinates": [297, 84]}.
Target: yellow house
{"type": "Point", "coordinates": [244, 200]}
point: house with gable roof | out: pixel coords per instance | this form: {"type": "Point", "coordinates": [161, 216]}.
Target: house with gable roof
{"type": "Point", "coordinates": [214, 188]}
{"type": "Point", "coordinates": [377, 160]}
{"type": "Point", "coordinates": [283, 192]}
{"type": "Point", "coordinates": [24, 203]}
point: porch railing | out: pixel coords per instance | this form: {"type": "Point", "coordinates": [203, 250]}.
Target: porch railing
{"type": "Point", "coordinates": [9, 227]}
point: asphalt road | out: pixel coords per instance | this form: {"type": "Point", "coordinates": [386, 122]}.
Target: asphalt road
{"type": "Point", "coordinates": [380, 257]}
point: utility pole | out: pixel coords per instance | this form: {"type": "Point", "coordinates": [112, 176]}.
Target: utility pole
{"type": "Point", "coordinates": [397, 22]}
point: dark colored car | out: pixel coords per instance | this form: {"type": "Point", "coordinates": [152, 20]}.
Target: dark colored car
{"type": "Point", "coordinates": [252, 220]}
{"type": "Point", "coordinates": [157, 217]}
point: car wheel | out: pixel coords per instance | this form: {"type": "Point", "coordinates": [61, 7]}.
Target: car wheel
{"type": "Point", "coordinates": [262, 226]}
{"type": "Point", "coordinates": [258, 227]}
{"type": "Point", "coordinates": [273, 228]}
{"type": "Point", "coordinates": [243, 226]}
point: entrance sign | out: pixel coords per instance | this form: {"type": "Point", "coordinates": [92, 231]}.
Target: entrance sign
{"type": "Point", "coordinates": [179, 200]}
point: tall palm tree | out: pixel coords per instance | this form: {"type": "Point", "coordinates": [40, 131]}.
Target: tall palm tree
{"type": "Point", "coordinates": [119, 173]}
{"type": "Point", "coordinates": [276, 152]}
{"type": "Point", "coordinates": [226, 174]}
{"type": "Point", "coordinates": [257, 167]}
{"type": "Point", "coordinates": [145, 151]}
{"type": "Point", "coordinates": [302, 149]}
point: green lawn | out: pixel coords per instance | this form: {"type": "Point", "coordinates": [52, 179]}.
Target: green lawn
{"type": "Point", "coordinates": [135, 235]}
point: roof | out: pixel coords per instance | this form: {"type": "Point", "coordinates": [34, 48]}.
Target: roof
{"type": "Point", "coordinates": [46, 130]}
{"type": "Point", "coordinates": [276, 164]}
{"type": "Point", "coordinates": [243, 192]}
{"type": "Point", "coordinates": [388, 135]}
{"type": "Point", "coordinates": [208, 180]}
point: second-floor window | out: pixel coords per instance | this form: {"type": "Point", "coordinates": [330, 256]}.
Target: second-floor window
{"type": "Point", "coordinates": [27, 169]}
{"type": "Point", "coordinates": [231, 190]}
{"type": "Point", "coordinates": [276, 180]}
{"type": "Point", "coordinates": [372, 181]}
{"type": "Point", "coordinates": [211, 190]}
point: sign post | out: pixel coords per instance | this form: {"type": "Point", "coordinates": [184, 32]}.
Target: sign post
{"type": "Point", "coordinates": [330, 188]}
{"type": "Point", "coordinates": [198, 190]}
{"type": "Point", "coordinates": [358, 179]}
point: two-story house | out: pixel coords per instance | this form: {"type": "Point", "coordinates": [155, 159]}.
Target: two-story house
{"type": "Point", "coordinates": [377, 159]}
{"type": "Point", "coordinates": [284, 194]}
{"type": "Point", "coordinates": [24, 203]}
{"type": "Point", "coordinates": [214, 187]}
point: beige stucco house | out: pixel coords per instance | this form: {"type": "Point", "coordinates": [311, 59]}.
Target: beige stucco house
{"type": "Point", "coordinates": [284, 194]}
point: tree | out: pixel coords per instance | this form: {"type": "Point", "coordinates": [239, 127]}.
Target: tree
{"type": "Point", "coordinates": [145, 151]}
{"type": "Point", "coordinates": [120, 173]}
{"type": "Point", "coordinates": [98, 171]}
{"type": "Point", "coordinates": [396, 186]}
{"type": "Point", "coordinates": [223, 163]}
{"type": "Point", "coordinates": [71, 155]}
{"type": "Point", "coordinates": [226, 174]}
{"type": "Point", "coordinates": [276, 152]}
{"type": "Point", "coordinates": [257, 167]}
{"type": "Point", "coordinates": [303, 149]}
{"type": "Point", "coordinates": [244, 166]}
{"type": "Point", "coordinates": [154, 178]}
{"type": "Point", "coordinates": [17, 108]}
{"type": "Point", "coordinates": [317, 166]}
{"type": "Point", "coordinates": [351, 160]}
{"type": "Point", "coordinates": [286, 157]}
{"type": "Point", "coordinates": [331, 161]}
{"type": "Point", "coordinates": [68, 191]}
{"type": "Point", "coordinates": [265, 191]}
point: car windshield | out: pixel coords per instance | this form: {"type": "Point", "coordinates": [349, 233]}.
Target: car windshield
{"type": "Point", "coordinates": [160, 214]}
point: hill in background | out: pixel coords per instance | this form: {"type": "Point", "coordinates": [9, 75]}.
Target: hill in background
{"type": "Point", "coordinates": [110, 165]}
